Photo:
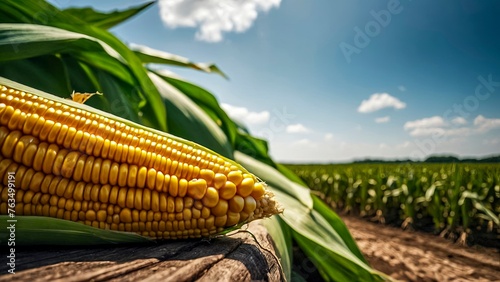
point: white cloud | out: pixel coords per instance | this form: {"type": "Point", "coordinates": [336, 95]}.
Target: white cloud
{"type": "Point", "coordinates": [423, 131]}
{"type": "Point", "coordinates": [246, 116]}
{"type": "Point", "coordinates": [382, 119]}
{"type": "Point", "coordinates": [462, 131]}
{"type": "Point", "coordinates": [435, 121]}
{"type": "Point", "coordinates": [459, 121]}
{"type": "Point", "coordinates": [437, 126]}
{"type": "Point", "coordinates": [328, 136]}
{"type": "Point", "coordinates": [402, 88]}
{"type": "Point", "coordinates": [213, 17]}
{"type": "Point", "coordinates": [303, 143]}
{"type": "Point", "coordinates": [486, 124]}
{"type": "Point", "coordinates": [380, 101]}
{"type": "Point", "coordinates": [297, 128]}
{"type": "Point", "coordinates": [258, 117]}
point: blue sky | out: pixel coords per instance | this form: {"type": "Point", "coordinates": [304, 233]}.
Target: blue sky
{"type": "Point", "coordinates": [337, 80]}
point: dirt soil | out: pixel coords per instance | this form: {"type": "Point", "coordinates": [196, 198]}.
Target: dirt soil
{"type": "Point", "coordinates": [416, 256]}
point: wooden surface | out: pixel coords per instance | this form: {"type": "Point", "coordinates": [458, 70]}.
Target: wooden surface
{"type": "Point", "coordinates": [234, 258]}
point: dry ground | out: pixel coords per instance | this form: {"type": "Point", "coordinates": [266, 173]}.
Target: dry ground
{"type": "Point", "coordinates": [416, 256]}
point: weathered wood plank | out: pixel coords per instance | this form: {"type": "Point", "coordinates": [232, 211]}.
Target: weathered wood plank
{"type": "Point", "coordinates": [231, 258]}
{"type": "Point", "coordinates": [249, 262]}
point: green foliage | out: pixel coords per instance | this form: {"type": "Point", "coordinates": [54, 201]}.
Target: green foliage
{"type": "Point", "coordinates": [149, 55]}
{"type": "Point", "coordinates": [47, 49]}
{"type": "Point", "coordinates": [105, 20]}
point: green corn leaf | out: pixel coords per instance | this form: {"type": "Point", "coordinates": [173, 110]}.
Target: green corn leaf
{"type": "Point", "coordinates": [37, 230]}
{"type": "Point", "coordinates": [149, 55]}
{"type": "Point", "coordinates": [46, 73]}
{"type": "Point", "coordinates": [205, 100]}
{"type": "Point", "coordinates": [282, 238]}
{"type": "Point", "coordinates": [105, 20]}
{"type": "Point", "coordinates": [336, 222]}
{"type": "Point", "coordinates": [254, 147]}
{"type": "Point", "coordinates": [34, 11]}
{"type": "Point", "coordinates": [88, 72]}
{"type": "Point", "coordinates": [477, 202]}
{"type": "Point", "coordinates": [430, 193]}
{"type": "Point", "coordinates": [493, 217]}
{"type": "Point", "coordinates": [323, 244]}
{"type": "Point", "coordinates": [81, 78]}
{"type": "Point", "coordinates": [107, 64]}
{"type": "Point", "coordinates": [122, 97]}
{"type": "Point", "coordinates": [290, 174]}
{"type": "Point", "coordinates": [187, 120]}
{"type": "Point", "coordinates": [21, 41]}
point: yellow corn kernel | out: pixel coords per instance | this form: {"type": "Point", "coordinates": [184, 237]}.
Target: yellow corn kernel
{"type": "Point", "coordinates": [211, 198]}
{"type": "Point", "coordinates": [228, 191]}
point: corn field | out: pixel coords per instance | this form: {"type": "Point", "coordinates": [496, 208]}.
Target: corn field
{"type": "Point", "coordinates": [455, 200]}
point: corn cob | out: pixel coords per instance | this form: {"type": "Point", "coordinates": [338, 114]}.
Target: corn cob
{"type": "Point", "coordinates": [75, 163]}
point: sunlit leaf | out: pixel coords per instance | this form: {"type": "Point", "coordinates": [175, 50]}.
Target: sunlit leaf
{"type": "Point", "coordinates": [20, 41]}
{"type": "Point", "coordinates": [149, 55]}
{"type": "Point", "coordinates": [105, 20]}
{"type": "Point", "coordinates": [336, 222]}
{"type": "Point", "coordinates": [476, 200]}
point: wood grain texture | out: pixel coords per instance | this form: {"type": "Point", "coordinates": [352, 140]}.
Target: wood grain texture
{"type": "Point", "coordinates": [231, 258]}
